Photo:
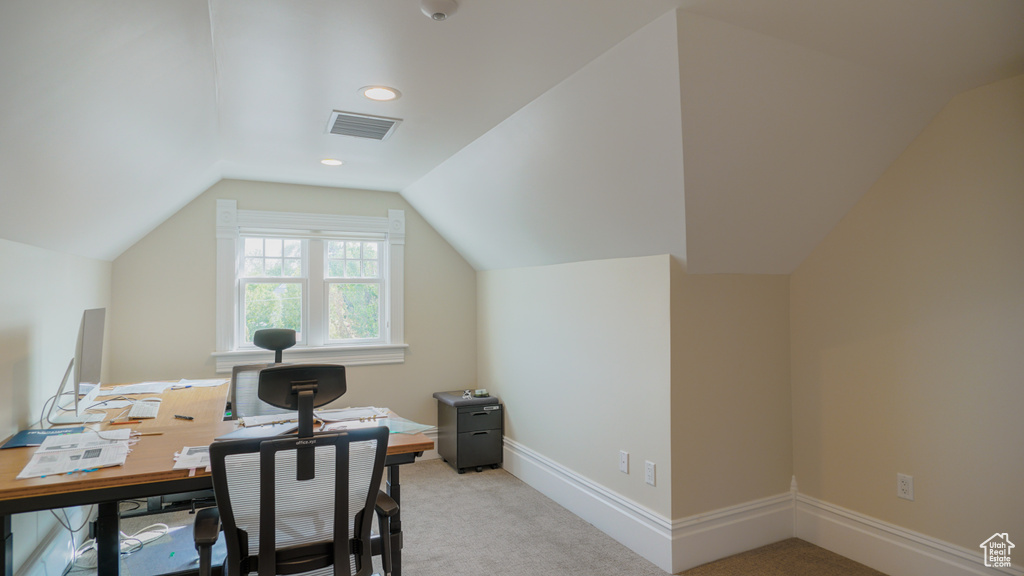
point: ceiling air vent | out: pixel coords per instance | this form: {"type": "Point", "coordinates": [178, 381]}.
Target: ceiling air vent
{"type": "Point", "coordinates": [361, 125]}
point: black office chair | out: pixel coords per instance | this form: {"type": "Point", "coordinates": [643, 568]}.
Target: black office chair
{"type": "Point", "coordinates": [242, 397]}
{"type": "Point", "coordinates": [276, 497]}
{"type": "Point", "coordinates": [243, 400]}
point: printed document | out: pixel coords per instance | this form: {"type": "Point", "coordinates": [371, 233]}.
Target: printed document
{"type": "Point", "coordinates": [192, 457]}
{"type": "Point", "coordinates": [82, 452]}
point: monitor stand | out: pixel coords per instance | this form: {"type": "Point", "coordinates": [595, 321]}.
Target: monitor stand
{"type": "Point", "coordinates": [72, 418]}
{"type": "Point", "coordinates": [76, 416]}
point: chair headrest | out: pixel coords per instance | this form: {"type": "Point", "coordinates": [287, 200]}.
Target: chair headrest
{"type": "Point", "coordinates": [277, 384]}
{"type": "Point", "coordinates": [274, 338]}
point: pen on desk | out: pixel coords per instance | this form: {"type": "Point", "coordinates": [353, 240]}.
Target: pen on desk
{"type": "Point", "coordinates": [115, 423]}
{"type": "Point", "coordinates": [181, 387]}
{"type": "Point", "coordinates": [180, 417]}
{"type": "Point", "coordinates": [151, 433]}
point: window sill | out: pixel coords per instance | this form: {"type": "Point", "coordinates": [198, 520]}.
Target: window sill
{"type": "Point", "coordinates": [346, 355]}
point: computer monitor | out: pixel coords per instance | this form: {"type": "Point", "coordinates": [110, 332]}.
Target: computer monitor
{"type": "Point", "coordinates": [244, 397]}
{"type": "Point", "coordinates": [86, 364]}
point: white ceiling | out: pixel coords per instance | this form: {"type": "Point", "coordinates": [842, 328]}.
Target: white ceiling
{"type": "Point", "coordinates": [520, 142]}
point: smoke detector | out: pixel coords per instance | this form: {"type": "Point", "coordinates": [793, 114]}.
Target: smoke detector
{"type": "Point", "coordinates": [439, 10]}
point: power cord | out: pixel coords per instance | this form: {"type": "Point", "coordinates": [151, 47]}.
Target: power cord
{"type": "Point", "coordinates": [66, 524]}
{"type": "Point", "coordinates": [85, 555]}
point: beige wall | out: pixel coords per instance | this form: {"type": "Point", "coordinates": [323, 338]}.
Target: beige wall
{"type": "Point", "coordinates": [163, 288]}
{"type": "Point", "coordinates": [579, 354]}
{"type": "Point", "coordinates": [42, 297]}
{"type": "Point", "coordinates": [908, 333]}
{"type": "Point", "coordinates": [731, 420]}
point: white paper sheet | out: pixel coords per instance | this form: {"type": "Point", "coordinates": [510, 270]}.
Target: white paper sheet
{"type": "Point", "coordinates": [249, 421]}
{"type": "Point", "coordinates": [192, 457]}
{"type": "Point", "coordinates": [140, 388]}
{"type": "Point", "coordinates": [85, 451]}
{"type": "Point", "coordinates": [350, 414]}
{"type": "Point", "coordinates": [185, 383]}
{"type": "Point", "coordinates": [107, 405]}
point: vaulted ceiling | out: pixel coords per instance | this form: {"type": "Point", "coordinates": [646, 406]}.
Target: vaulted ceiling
{"type": "Point", "coordinates": [732, 133]}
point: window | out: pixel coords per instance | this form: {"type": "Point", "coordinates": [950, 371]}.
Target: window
{"type": "Point", "coordinates": [335, 280]}
{"type": "Point", "coordinates": [353, 287]}
{"type": "Point", "coordinates": [271, 285]}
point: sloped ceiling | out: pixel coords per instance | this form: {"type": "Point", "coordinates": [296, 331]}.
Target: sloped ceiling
{"type": "Point", "coordinates": [732, 133]}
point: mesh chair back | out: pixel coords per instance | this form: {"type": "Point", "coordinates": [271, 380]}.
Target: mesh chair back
{"type": "Point", "coordinates": [245, 400]}
{"type": "Point", "coordinates": [269, 515]}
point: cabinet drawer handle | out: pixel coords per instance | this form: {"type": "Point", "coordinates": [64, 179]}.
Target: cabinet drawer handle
{"type": "Point", "coordinates": [479, 433]}
{"type": "Point", "coordinates": [481, 413]}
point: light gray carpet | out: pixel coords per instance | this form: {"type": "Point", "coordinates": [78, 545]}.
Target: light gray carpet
{"type": "Point", "coordinates": [492, 523]}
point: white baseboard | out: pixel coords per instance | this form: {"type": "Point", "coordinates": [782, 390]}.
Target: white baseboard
{"type": "Point", "coordinates": [886, 547]}
{"type": "Point", "coordinates": [639, 529]}
{"type": "Point", "coordinates": [672, 546]}
{"type": "Point", "coordinates": [713, 535]}
{"type": "Point", "coordinates": [684, 543]}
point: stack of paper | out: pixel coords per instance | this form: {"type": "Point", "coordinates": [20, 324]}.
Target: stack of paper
{"type": "Point", "coordinates": [192, 457]}
{"type": "Point", "coordinates": [362, 414]}
{"type": "Point", "coordinates": [268, 419]}
{"type": "Point", "coordinates": [82, 452]}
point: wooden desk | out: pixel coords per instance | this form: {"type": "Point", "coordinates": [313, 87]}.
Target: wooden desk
{"type": "Point", "coordinates": [148, 472]}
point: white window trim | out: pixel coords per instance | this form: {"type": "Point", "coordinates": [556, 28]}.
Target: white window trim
{"type": "Point", "coordinates": [231, 222]}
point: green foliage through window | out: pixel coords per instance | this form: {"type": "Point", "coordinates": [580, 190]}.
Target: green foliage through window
{"type": "Point", "coordinates": [272, 305]}
{"type": "Point", "coordinates": [354, 311]}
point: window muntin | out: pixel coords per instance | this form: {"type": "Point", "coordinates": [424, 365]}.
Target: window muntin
{"type": "Point", "coordinates": [353, 259]}
{"type": "Point", "coordinates": [272, 257]}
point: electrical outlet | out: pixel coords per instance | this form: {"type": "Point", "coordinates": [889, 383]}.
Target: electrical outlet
{"type": "Point", "coordinates": [905, 486]}
{"type": "Point", "coordinates": [649, 472]}
{"type": "Point", "coordinates": [623, 461]}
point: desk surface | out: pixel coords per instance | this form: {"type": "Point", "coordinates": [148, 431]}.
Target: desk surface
{"type": "Point", "coordinates": [152, 457]}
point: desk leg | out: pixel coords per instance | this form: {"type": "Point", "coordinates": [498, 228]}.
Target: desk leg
{"type": "Point", "coordinates": [108, 540]}
{"type": "Point", "coordinates": [395, 491]}
{"type": "Point", "coordinates": [7, 553]}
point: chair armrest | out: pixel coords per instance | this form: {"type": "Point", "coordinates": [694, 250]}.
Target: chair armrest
{"type": "Point", "coordinates": [386, 508]}
{"type": "Point", "coordinates": [206, 527]}
{"type": "Point", "coordinates": [386, 505]}
{"type": "Point", "coordinates": [205, 530]}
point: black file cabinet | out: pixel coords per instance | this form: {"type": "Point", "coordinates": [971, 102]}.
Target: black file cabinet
{"type": "Point", "coordinates": [469, 430]}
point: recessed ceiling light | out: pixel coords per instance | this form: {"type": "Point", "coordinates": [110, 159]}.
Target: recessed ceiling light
{"type": "Point", "coordinates": [331, 162]}
{"type": "Point", "coordinates": [380, 93]}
